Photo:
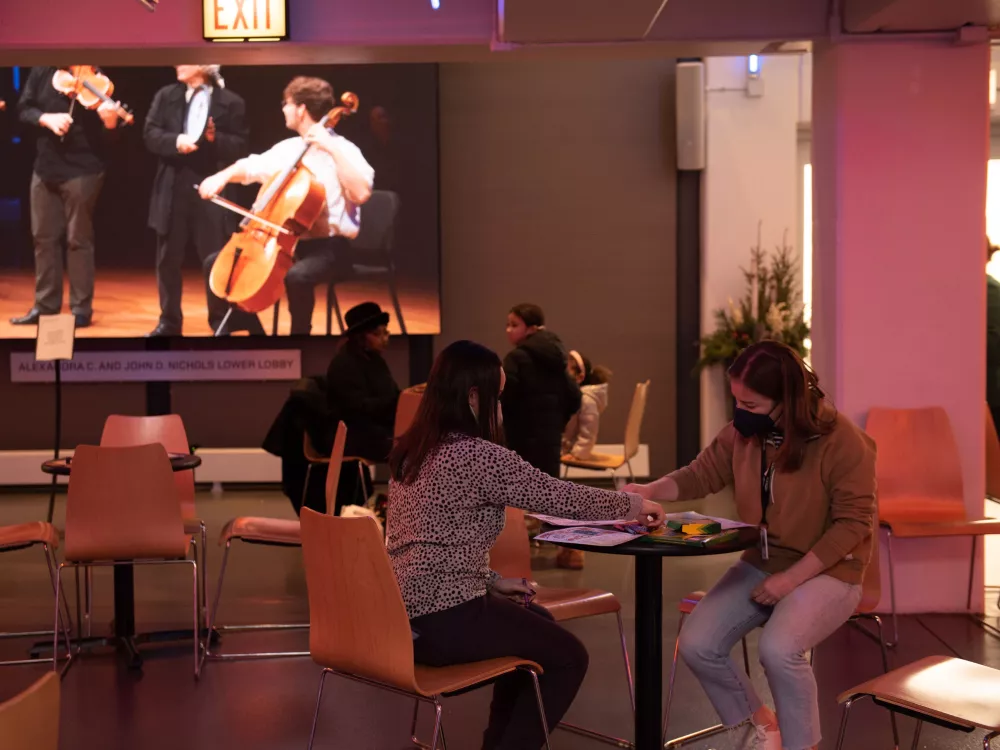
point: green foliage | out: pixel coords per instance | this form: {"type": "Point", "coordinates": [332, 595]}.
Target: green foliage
{"type": "Point", "coordinates": [779, 309]}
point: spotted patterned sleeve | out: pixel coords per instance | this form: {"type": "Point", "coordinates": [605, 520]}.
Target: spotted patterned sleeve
{"type": "Point", "coordinates": [508, 479]}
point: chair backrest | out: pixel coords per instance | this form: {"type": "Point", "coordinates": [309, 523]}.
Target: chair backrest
{"type": "Point", "coordinates": [333, 470]}
{"type": "Point", "coordinates": [122, 505]}
{"type": "Point", "coordinates": [992, 457]}
{"type": "Point", "coordinates": [357, 620]}
{"type": "Point", "coordinates": [166, 429]}
{"type": "Point", "coordinates": [407, 406]}
{"type": "Point", "coordinates": [917, 455]}
{"type": "Point", "coordinates": [510, 555]}
{"type": "Point", "coordinates": [30, 720]}
{"type": "Point", "coordinates": [378, 222]}
{"type": "Point", "coordinates": [634, 422]}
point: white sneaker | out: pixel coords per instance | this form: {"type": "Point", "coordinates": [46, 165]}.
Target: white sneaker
{"type": "Point", "coordinates": [764, 738]}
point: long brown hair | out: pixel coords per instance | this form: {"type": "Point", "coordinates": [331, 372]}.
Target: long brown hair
{"type": "Point", "coordinates": [777, 372]}
{"type": "Point", "coordinates": [444, 408]}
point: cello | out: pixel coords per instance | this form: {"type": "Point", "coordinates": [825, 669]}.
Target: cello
{"type": "Point", "coordinates": [250, 270]}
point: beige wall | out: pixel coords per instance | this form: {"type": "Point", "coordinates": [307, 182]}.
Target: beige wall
{"type": "Point", "coordinates": [557, 187]}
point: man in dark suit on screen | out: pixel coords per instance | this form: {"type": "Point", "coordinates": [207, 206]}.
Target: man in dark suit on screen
{"type": "Point", "coordinates": [196, 126]}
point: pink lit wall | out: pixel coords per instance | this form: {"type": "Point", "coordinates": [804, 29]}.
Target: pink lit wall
{"type": "Point", "coordinates": [900, 145]}
{"type": "Point", "coordinates": [125, 23]}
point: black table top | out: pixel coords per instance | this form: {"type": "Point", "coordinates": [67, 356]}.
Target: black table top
{"type": "Point", "coordinates": [748, 537]}
{"type": "Point", "coordinates": [178, 462]}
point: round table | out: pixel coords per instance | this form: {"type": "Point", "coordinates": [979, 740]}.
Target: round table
{"type": "Point", "coordinates": [124, 580]}
{"type": "Point", "coordinates": [649, 620]}
{"type": "Point", "coordinates": [178, 462]}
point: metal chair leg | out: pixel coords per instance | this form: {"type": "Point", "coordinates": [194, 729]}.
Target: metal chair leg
{"type": "Point", "coordinates": [88, 576]}
{"type": "Point", "coordinates": [885, 669]}
{"type": "Point", "coordinates": [274, 318]}
{"type": "Point", "coordinates": [892, 590]}
{"type": "Point", "coordinates": [628, 664]}
{"type": "Point", "coordinates": [916, 735]}
{"type": "Point", "coordinates": [395, 298]}
{"type": "Point", "coordinates": [305, 485]}
{"type": "Point", "coordinates": [319, 700]}
{"type": "Point", "coordinates": [67, 624]}
{"type": "Point", "coordinates": [196, 619]}
{"type": "Point", "coordinates": [843, 722]}
{"type": "Point", "coordinates": [972, 575]}
{"type": "Point", "coordinates": [332, 297]}
{"type": "Point", "coordinates": [670, 682]}
{"type": "Point", "coordinates": [215, 604]}
{"type": "Point", "coordinates": [413, 727]}
{"type": "Point", "coordinates": [988, 739]}
{"type": "Point", "coordinates": [204, 577]}
{"type": "Point", "coordinates": [437, 724]}
{"type": "Point", "coordinates": [363, 489]}
{"type": "Point", "coordinates": [55, 627]}
{"type": "Point", "coordinates": [541, 707]}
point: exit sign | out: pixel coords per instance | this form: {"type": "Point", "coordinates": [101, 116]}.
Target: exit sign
{"type": "Point", "coordinates": [245, 20]}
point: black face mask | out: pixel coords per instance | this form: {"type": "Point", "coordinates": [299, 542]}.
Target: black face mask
{"type": "Point", "coordinates": [751, 424]}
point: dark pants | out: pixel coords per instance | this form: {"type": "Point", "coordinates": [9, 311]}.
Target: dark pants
{"type": "Point", "coordinates": [317, 262]}
{"type": "Point", "coordinates": [491, 627]}
{"type": "Point", "coordinates": [58, 207]}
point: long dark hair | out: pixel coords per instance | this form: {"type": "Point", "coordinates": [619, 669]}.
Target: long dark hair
{"type": "Point", "coordinates": [444, 408]}
{"type": "Point", "coordinates": [776, 371]}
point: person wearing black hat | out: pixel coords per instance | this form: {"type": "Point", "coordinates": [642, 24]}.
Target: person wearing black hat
{"type": "Point", "coordinates": [362, 393]}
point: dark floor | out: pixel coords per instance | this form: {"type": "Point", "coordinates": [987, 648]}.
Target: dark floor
{"type": "Point", "coordinates": [267, 705]}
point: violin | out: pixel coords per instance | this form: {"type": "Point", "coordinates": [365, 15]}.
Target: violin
{"type": "Point", "coordinates": [250, 270]}
{"type": "Point", "coordinates": [89, 86]}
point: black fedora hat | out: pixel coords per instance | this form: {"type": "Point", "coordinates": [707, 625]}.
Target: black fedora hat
{"type": "Point", "coordinates": [365, 317]}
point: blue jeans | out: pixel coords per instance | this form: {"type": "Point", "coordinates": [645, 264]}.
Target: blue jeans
{"type": "Point", "coordinates": [796, 624]}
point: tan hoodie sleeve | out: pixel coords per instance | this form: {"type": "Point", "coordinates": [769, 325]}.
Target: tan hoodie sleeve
{"type": "Point", "coordinates": [711, 471]}
{"type": "Point", "coordinates": [849, 478]}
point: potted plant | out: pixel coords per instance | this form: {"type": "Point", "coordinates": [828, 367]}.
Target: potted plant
{"type": "Point", "coordinates": [771, 309]}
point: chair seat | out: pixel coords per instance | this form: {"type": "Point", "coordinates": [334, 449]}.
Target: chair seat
{"type": "Point", "coordinates": [686, 605]}
{"type": "Point", "coordinates": [192, 526]}
{"type": "Point", "coordinates": [365, 461]}
{"type": "Point", "coordinates": [22, 534]}
{"type": "Point", "coordinates": [261, 529]}
{"type": "Point", "coordinates": [940, 687]}
{"type": "Point", "coordinates": [440, 680]}
{"type": "Point", "coordinates": [946, 528]}
{"type": "Point", "coordinates": [569, 604]}
{"type": "Point", "coordinates": [596, 461]}
{"type": "Point", "coordinates": [909, 508]}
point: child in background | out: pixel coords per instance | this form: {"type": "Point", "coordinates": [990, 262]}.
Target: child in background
{"type": "Point", "coordinates": [580, 435]}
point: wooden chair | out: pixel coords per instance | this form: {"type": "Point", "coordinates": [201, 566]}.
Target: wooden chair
{"type": "Point", "coordinates": [167, 430]}
{"type": "Point", "coordinates": [612, 462]}
{"type": "Point", "coordinates": [406, 411]}
{"type": "Point", "coordinates": [23, 536]}
{"type": "Point", "coordinates": [30, 720]}
{"type": "Point", "coordinates": [921, 493]}
{"type": "Point", "coordinates": [122, 508]}
{"type": "Point", "coordinates": [871, 593]}
{"type": "Point", "coordinates": [275, 532]}
{"type": "Point", "coordinates": [359, 628]}
{"type": "Point", "coordinates": [941, 690]}
{"type": "Point", "coordinates": [511, 558]}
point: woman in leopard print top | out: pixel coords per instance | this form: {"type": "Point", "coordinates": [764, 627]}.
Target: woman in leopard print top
{"type": "Point", "coordinates": [451, 480]}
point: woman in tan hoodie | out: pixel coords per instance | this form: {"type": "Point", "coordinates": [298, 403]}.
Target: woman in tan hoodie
{"type": "Point", "coordinates": [806, 475]}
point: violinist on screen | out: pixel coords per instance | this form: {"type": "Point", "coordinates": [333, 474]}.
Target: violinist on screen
{"type": "Point", "coordinates": [70, 161]}
{"type": "Point", "coordinates": [336, 163]}
{"type": "Point", "coordinates": [195, 127]}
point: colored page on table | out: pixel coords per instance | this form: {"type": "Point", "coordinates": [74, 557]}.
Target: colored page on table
{"type": "Point", "coordinates": [589, 535]}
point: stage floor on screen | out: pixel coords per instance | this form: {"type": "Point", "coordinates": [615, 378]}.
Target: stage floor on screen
{"type": "Point", "coordinates": [126, 305]}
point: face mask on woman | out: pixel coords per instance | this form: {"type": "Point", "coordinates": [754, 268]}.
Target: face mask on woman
{"type": "Point", "coordinates": [751, 424]}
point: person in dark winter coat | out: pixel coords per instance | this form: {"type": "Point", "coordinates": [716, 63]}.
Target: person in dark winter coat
{"type": "Point", "coordinates": [540, 397]}
{"type": "Point", "coordinates": [362, 393]}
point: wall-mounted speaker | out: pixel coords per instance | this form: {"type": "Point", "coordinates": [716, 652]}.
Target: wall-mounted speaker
{"type": "Point", "coordinates": [690, 116]}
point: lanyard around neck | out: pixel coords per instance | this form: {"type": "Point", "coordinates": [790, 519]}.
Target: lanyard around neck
{"type": "Point", "coordinates": [766, 479]}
